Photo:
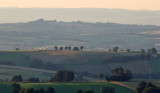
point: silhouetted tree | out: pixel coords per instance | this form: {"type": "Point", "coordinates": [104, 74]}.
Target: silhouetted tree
{"type": "Point", "coordinates": [89, 91]}
{"type": "Point", "coordinates": [75, 48]}
{"type": "Point", "coordinates": [100, 76]}
{"type": "Point", "coordinates": [107, 90]}
{"type": "Point", "coordinates": [16, 88]}
{"type": "Point", "coordinates": [17, 78]}
{"type": "Point", "coordinates": [61, 48]}
{"type": "Point", "coordinates": [66, 48]}
{"type": "Point", "coordinates": [128, 50]}
{"type": "Point", "coordinates": [78, 91]}
{"type": "Point", "coordinates": [41, 90]}
{"type": "Point", "coordinates": [115, 49]}
{"type": "Point", "coordinates": [142, 51]}
{"type": "Point", "coordinates": [81, 47]}
{"type": "Point", "coordinates": [56, 48]}
{"type": "Point", "coordinates": [69, 48]}
{"type": "Point", "coordinates": [50, 90]}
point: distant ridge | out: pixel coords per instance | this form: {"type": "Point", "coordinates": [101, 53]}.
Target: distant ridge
{"type": "Point", "coordinates": [13, 15]}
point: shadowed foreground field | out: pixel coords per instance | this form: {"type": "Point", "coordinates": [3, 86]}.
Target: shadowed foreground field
{"type": "Point", "coordinates": [68, 87]}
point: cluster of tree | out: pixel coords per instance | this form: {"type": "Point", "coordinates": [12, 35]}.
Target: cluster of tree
{"type": "Point", "coordinates": [109, 89]}
{"type": "Point", "coordinates": [144, 87]}
{"type": "Point", "coordinates": [102, 90]}
{"type": "Point", "coordinates": [17, 78]}
{"type": "Point", "coordinates": [69, 48]}
{"type": "Point", "coordinates": [16, 88]}
{"type": "Point", "coordinates": [37, 63]}
{"type": "Point", "coordinates": [63, 76]}
{"type": "Point", "coordinates": [33, 80]}
{"type": "Point", "coordinates": [119, 74]}
{"type": "Point", "coordinates": [150, 53]}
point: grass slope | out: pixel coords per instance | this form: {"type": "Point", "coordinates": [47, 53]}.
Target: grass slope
{"type": "Point", "coordinates": [69, 87]}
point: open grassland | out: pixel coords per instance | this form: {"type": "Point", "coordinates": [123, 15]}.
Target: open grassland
{"type": "Point", "coordinates": [69, 87]}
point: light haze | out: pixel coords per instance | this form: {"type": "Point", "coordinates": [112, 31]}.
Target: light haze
{"type": "Point", "coordinates": [123, 4]}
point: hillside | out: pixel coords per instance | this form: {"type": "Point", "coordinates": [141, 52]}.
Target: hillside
{"type": "Point", "coordinates": [45, 34]}
{"type": "Point", "coordinates": [79, 61]}
{"type": "Point", "coordinates": [69, 87]}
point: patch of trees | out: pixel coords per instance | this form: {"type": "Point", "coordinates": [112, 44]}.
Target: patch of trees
{"type": "Point", "coordinates": [17, 78]}
{"type": "Point", "coordinates": [119, 74]}
{"type": "Point", "coordinates": [63, 76]}
{"type": "Point", "coordinates": [144, 87]}
{"type": "Point", "coordinates": [16, 88]}
{"type": "Point", "coordinates": [33, 80]}
{"type": "Point", "coordinates": [108, 89]}
{"type": "Point", "coordinates": [68, 48]}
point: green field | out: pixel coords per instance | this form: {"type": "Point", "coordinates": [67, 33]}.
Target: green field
{"type": "Point", "coordinates": [68, 87]}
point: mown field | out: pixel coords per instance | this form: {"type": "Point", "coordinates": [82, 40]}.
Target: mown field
{"type": "Point", "coordinates": [68, 87]}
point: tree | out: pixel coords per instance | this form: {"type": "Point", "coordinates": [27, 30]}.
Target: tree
{"type": "Point", "coordinates": [66, 48]}
{"type": "Point", "coordinates": [16, 88]}
{"type": "Point", "coordinates": [69, 48]}
{"type": "Point", "coordinates": [107, 90]}
{"type": "Point", "coordinates": [41, 90]}
{"type": "Point", "coordinates": [17, 49]}
{"type": "Point", "coordinates": [141, 86]}
{"type": "Point", "coordinates": [56, 48]}
{"type": "Point", "coordinates": [17, 78]}
{"type": "Point", "coordinates": [78, 91]}
{"type": "Point", "coordinates": [23, 90]}
{"type": "Point", "coordinates": [89, 91]}
{"type": "Point", "coordinates": [29, 90]}
{"type": "Point", "coordinates": [33, 80]}
{"type": "Point", "coordinates": [150, 90]}
{"type": "Point", "coordinates": [119, 74]}
{"type": "Point", "coordinates": [81, 47]}
{"type": "Point", "coordinates": [100, 76]}
{"type": "Point", "coordinates": [69, 75]}
{"type": "Point", "coordinates": [63, 76]}
{"type": "Point", "coordinates": [142, 51]}
{"type": "Point", "coordinates": [61, 48]}
{"type": "Point", "coordinates": [115, 49]}
{"type": "Point", "coordinates": [128, 50]}
{"type": "Point", "coordinates": [50, 90]}
{"type": "Point", "coordinates": [75, 48]}
{"type": "Point", "coordinates": [110, 50]}
{"type": "Point", "coordinates": [144, 87]}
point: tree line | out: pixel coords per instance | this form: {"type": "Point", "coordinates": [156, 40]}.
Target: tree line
{"type": "Point", "coordinates": [118, 74]}
{"type": "Point", "coordinates": [16, 88]}
{"type": "Point", "coordinates": [144, 87]}
{"type": "Point", "coordinates": [60, 76]}
{"type": "Point", "coordinates": [68, 48]}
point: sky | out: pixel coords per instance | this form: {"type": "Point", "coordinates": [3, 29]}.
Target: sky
{"type": "Point", "coordinates": [122, 4]}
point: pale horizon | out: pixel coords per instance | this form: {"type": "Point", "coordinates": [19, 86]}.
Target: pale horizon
{"type": "Point", "coordinates": [111, 4]}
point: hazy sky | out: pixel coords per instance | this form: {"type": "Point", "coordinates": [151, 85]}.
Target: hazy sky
{"type": "Point", "coordinates": [123, 4]}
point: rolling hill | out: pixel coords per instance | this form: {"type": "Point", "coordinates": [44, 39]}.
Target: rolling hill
{"type": "Point", "coordinates": [92, 62]}
{"type": "Point", "coordinates": [45, 34]}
